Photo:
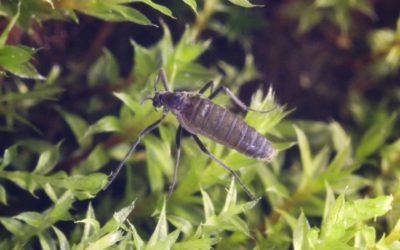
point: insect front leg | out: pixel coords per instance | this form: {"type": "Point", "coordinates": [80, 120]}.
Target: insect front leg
{"type": "Point", "coordinates": [236, 100]}
{"type": "Point", "coordinates": [145, 131]}
{"type": "Point", "coordinates": [230, 170]}
{"type": "Point", "coordinates": [177, 159]}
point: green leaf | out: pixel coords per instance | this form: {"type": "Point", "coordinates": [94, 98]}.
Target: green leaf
{"type": "Point", "coordinates": [192, 4]}
{"type": "Point", "coordinates": [305, 153]}
{"type": "Point", "coordinates": [91, 225]}
{"type": "Point", "coordinates": [61, 208]}
{"type": "Point", "coordinates": [47, 160]}
{"type": "Point", "coordinates": [78, 126]}
{"type": "Point", "coordinates": [16, 227]}
{"type": "Point", "coordinates": [209, 210]}
{"type": "Point", "coordinates": [62, 240]}
{"type": "Point", "coordinates": [300, 233]}
{"type": "Point", "coordinates": [45, 240]}
{"type": "Point", "coordinates": [31, 218]}
{"type": "Point", "coordinates": [109, 11]}
{"type": "Point", "coordinates": [159, 161]}
{"type": "Point", "coordinates": [158, 7]}
{"type": "Point", "coordinates": [187, 50]}
{"type": "Point", "coordinates": [128, 101]}
{"type": "Point", "coordinates": [83, 187]}
{"type": "Point", "coordinates": [3, 195]}
{"type": "Point", "coordinates": [24, 70]}
{"type": "Point", "coordinates": [138, 242]}
{"type": "Point", "coordinates": [41, 92]}
{"type": "Point", "coordinates": [105, 124]}
{"type": "Point", "coordinates": [366, 209]}
{"type": "Point", "coordinates": [118, 219]}
{"type": "Point", "coordinates": [375, 137]}
{"type": "Point", "coordinates": [106, 241]}
{"type": "Point", "coordinates": [105, 69]}
{"type": "Point", "coordinates": [244, 3]}
{"type": "Point", "coordinates": [97, 159]}
{"type": "Point", "coordinates": [14, 55]}
{"type": "Point", "coordinates": [6, 31]}
{"type": "Point", "coordinates": [10, 154]}
{"type": "Point", "coordinates": [161, 231]}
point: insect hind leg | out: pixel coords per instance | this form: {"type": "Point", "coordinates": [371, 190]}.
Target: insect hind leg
{"type": "Point", "coordinates": [230, 170]}
{"type": "Point", "coordinates": [163, 77]}
{"type": "Point", "coordinates": [209, 85]}
{"type": "Point", "coordinates": [236, 100]}
{"type": "Point", "coordinates": [177, 160]}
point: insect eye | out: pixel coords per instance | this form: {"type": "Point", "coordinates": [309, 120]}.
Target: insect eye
{"type": "Point", "coordinates": [157, 101]}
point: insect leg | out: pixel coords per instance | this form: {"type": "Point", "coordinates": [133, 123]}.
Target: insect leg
{"type": "Point", "coordinates": [230, 170]}
{"type": "Point", "coordinates": [177, 159]}
{"type": "Point", "coordinates": [134, 145]}
{"type": "Point", "coordinates": [236, 100]}
{"type": "Point", "coordinates": [209, 85]}
{"type": "Point", "coordinates": [161, 76]}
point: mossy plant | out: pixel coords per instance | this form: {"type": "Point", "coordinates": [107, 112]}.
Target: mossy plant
{"type": "Point", "coordinates": [329, 186]}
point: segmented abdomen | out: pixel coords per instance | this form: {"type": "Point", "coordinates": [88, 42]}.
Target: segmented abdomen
{"type": "Point", "coordinates": [201, 116]}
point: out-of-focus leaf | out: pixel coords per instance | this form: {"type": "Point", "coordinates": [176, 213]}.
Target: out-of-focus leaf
{"type": "Point", "coordinates": [15, 55]}
{"type": "Point", "coordinates": [47, 160]}
{"type": "Point", "coordinates": [62, 240]}
{"type": "Point", "coordinates": [305, 152]}
{"type": "Point", "coordinates": [96, 160]}
{"type": "Point", "coordinates": [83, 187]}
{"type": "Point", "coordinates": [375, 137]}
{"type": "Point", "coordinates": [105, 124]}
{"type": "Point", "coordinates": [24, 70]}
{"type": "Point", "coordinates": [244, 3]}
{"type": "Point", "coordinates": [110, 11]}
{"type": "Point", "coordinates": [16, 227]}
{"type": "Point", "coordinates": [78, 126]}
{"type": "Point", "coordinates": [31, 218]}
{"type": "Point", "coordinates": [209, 210]}
{"type": "Point", "coordinates": [46, 241]}
{"type": "Point", "coordinates": [9, 156]}
{"type": "Point", "coordinates": [192, 4]}
{"type": "Point", "coordinates": [391, 156]}
{"type": "Point", "coordinates": [105, 69]}
{"type": "Point", "coordinates": [3, 195]}
{"type": "Point", "coordinates": [187, 50]}
{"type": "Point", "coordinates": [42, 92]}
{"type": "Point", "coordinates": [128, 101]}
{"type": "Point", "coordinates": [159, 7]}
{"type": "Point", "coordinates": [6, 31]}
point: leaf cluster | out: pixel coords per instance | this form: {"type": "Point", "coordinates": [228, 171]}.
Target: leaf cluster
{"type": "Point", "coordinates": [327, 188]}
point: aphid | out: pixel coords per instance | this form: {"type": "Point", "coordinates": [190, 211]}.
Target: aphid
{"type": "Point", "coordinates": [199, 115]}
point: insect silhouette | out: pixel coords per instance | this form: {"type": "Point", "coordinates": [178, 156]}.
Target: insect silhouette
{"type": "Point", "coordinates": [199, 115]}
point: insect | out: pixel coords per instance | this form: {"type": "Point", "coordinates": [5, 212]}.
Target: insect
{"type": "Point", "coordinates": [199, 115]}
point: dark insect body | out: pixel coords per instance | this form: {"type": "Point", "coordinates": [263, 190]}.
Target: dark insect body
{"type": "Point", "coordinates": [199, 115]}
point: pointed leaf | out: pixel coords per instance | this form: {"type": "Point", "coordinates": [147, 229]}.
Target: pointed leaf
{"type": "Point", "coordinates": [244, 3]}
{"type": "Point", "coordinates": [161, 230]}
{"type": "Point", "coordinates": [62, 240]}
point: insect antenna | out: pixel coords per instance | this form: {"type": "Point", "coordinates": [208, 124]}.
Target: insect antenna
{"type": "Point", "coordinates": [161, 76]}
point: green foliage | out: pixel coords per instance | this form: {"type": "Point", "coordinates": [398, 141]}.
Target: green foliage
{"type": "Point", "coordinates": [337, 12]}
{"type": "Point", "coordinates": [329, 187]}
